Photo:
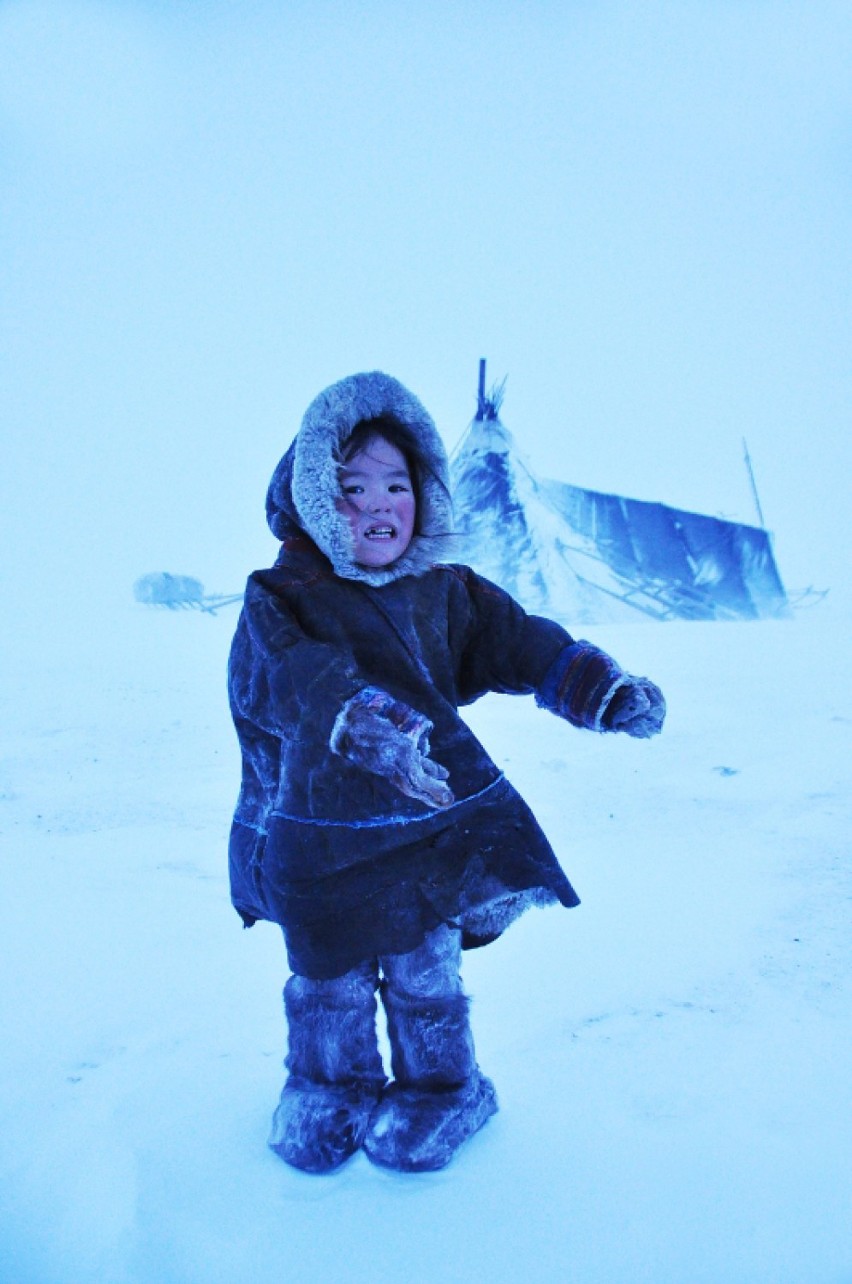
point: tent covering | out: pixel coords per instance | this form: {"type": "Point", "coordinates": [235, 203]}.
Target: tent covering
{"type": "Point", "coordinates": [586, 557]}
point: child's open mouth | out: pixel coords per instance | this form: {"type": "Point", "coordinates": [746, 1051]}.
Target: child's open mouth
{"type": "Point", "coordinates": [380, 532]}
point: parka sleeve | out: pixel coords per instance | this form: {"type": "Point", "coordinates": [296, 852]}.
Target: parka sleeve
{"type": "Point", "coordinates": [499, 647]}
{"type": "Point", "coordinates": [504, 649]}
{"type": "Point", "coordinates": [278, 677]}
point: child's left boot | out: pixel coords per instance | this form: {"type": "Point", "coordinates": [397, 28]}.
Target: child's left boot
{"type": "Point", "coordinates": [439, 1097]}
{"type": "Point", "coordinates": [336, 1072]}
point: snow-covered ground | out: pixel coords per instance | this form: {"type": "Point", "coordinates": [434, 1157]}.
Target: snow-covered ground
{"type": "Point", "coordinates": [672, 1057]}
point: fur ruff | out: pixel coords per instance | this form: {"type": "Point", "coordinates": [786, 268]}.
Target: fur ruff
{"type": "Point", "coordinates": [313, 482]}
{"type": "Point", "coordinates": [486, 922]}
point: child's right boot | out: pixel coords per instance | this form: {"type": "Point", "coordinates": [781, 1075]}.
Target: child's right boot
{"type": "Point", "coordinates": [335, 1071]}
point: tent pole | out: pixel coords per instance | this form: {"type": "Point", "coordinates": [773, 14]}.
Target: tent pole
{"type": "Point", "coordinates": [753, 484]}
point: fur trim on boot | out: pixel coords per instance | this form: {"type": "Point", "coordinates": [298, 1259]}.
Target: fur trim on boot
{"type": "Point", "coordinates": [430, 1038]}
{"type": "Point", "coordinates": [440, 1097]}
{"type": "Point", "coordinates": [414, 1131]}
{"type": "Point", "coordinates": [318, 1126]}
{"type": "Point", "coordinates": [336, 1072]}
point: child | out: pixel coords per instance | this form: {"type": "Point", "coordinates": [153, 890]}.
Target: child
{"type": "Point", "coordinates": [371, 824]}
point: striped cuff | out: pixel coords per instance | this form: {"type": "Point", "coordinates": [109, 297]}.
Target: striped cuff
{"type": "Point", "coordinates": [579, 685]}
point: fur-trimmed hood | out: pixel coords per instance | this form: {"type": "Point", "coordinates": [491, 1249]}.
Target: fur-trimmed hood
{"type": "Point", "coordinates": [305, 485]}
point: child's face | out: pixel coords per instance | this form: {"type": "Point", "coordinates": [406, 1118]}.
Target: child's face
{"type": "Point", "coordinates": [377, 499]}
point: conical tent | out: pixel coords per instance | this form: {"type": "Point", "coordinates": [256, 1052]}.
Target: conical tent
{"type": "Point", "coordinates": [586, 557]}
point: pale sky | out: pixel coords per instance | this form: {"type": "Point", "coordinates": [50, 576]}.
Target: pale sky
{"type": "Point", "coordinates": [209, 211]}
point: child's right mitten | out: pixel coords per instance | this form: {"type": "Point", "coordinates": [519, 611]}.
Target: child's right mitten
{"type": "Point", "coordinates": [637, 708]}
{"type": "Point", "coordinates": [589, 689]}
{"type": "Point", "coordinates": [389, 739]}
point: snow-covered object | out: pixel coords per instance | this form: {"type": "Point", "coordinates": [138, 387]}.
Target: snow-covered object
{"type": "Point", "coordinates": [160, 588]}
{"type": "Point", "coordinates": [179, 592]}
{"type": "Point", "coordinates": [585, 557]}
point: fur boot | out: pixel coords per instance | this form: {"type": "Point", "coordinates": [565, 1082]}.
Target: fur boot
{"type": "Point", "coordinates": [439, 1097]}
{"type": "Point", "coordinates": [336, 1072]}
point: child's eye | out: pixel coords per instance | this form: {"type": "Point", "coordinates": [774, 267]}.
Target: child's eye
{"type": "Point", "coordinates": [352, 489]}
{"type": "Point", "coordinates": [398, 486]}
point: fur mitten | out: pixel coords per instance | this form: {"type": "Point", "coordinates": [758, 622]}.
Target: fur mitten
{"type": "Point", "coordinates": [386, 737]}
{"type": "Point", "coordinates": [638, 708]}
{"type": "Point", "coordinates": [589, 689]}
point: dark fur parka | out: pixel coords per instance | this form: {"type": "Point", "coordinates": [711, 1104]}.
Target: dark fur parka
{"type": "Point", "coordinates": [350, 867]}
